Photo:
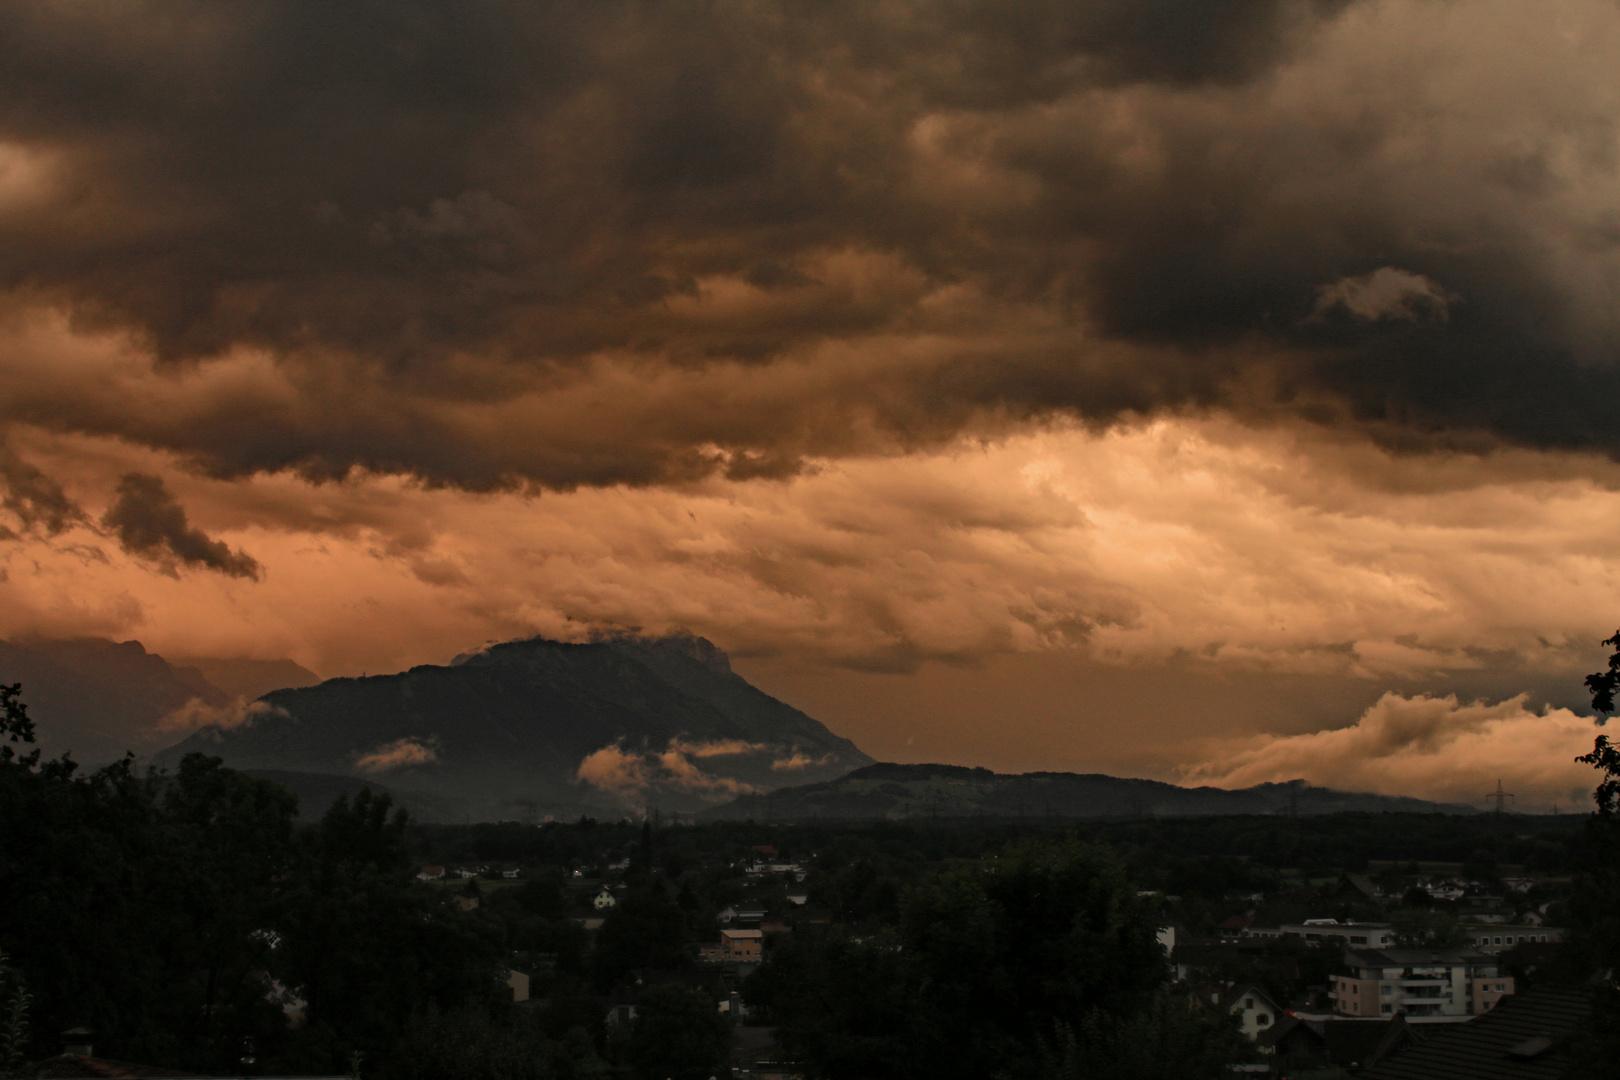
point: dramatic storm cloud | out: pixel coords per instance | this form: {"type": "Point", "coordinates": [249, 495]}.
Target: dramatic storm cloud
{"type": "Point", "coordinates": [395, 236]}
{"type": "Point", "coordinates": [148, 521]}
{"type": "Point", "coordinates": [1271, 338]}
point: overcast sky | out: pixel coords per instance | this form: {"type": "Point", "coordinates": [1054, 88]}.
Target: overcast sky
{"type": "Point", "coordinates": [1210, 391]}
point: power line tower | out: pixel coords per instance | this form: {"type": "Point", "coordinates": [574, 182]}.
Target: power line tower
{"type": "Point", "coordinates": [1501, 797]}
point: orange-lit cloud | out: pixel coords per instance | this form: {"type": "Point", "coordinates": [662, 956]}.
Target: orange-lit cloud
{"type": "Point", "coordinates": [630, 774]}
{"type": "Point", "coordinates": [399, 754]}
{"type": "Point", "coordinates": [1431, 747]}
{"type": "Point", "coordinates": [197, 714]}
{"type": "Point", "coordinates": [1274, 549]}
{"type": "Point", "coordinates": [796, 761]}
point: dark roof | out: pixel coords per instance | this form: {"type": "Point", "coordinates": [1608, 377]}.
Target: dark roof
{"type": "Point", "coordinates": [1521, 1039]}
{"type": "Point", "coordinates": [65, 1066]}
{"type": "Point", "coordinates": [1418, 957]}
{"type": "Point", "coordinates": [79, 1067]}
{"type": "Point", "coordinates": [1289, 1027]}
{"type": "Point", "coordinates": [1363, 1042]}
{"type": "Point", "coordinates": [1358, 883]}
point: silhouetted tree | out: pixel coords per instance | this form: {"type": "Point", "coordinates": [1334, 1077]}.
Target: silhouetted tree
{"type": "Point", "coordinates": [1042, 962]}
{"type": "Point", "coordinates": [678, 1034]}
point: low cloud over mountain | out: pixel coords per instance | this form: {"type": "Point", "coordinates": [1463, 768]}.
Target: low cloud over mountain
{"type": "Point", "coordinates": [1433, 748]}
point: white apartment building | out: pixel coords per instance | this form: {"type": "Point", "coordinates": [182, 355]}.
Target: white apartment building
{"type": "Point", "coordinates": [1418, 983]}
{"type": "Point", "coordinates": [1357, 935]}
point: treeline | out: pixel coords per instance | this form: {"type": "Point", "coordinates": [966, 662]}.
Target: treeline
{"type": "Point", "coordinates": [1041, 964]}
{"type": "Point", "coordinates": [188, 922]}
{"type": "Point", "coordinates": [1155, 850]}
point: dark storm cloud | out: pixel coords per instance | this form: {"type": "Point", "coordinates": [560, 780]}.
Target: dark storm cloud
{"type": "Point", "coordinates": [36, 499]}
{"type": "Point", "coordinates": [149, 521]}
{"type": "Point", "coordinates": [420, 206]}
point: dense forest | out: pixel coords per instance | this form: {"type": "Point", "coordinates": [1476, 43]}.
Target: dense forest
{"type": "Point", "coordinates": [192, 922]}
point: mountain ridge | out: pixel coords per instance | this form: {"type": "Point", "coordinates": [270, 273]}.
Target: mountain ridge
{"type": "Point", "coordinates": [894, 791]}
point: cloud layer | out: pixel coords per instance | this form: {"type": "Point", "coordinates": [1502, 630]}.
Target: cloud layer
{"type": "Point", "coordinates": [642, 242]}
{"type": "Point", "coordinates": [1275, 549]}
{"type": "Point", "coordinates": [1431, 747]}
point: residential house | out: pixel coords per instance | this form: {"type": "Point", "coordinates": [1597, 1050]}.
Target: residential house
{"type": "Point", "coordinates": [1357, 889]}
{"type": "Point", "coordinates": [743, 945]}
{"type": "Point", "coordinates": [1418, 982]}
{"type": "Point", "coordinates": [1494, 939]}
{"type": "Point", "coordinates": [1252, 1006]}
{"type": "Point", "coordinates": [605, 900]}
{"type": "Point", "coordinates": [759, 868]}
{"type": "Point", "coordinates": [519, 982]}
{"type": "Point", "coordinates": [1443, 890]}
{"type": "Point", "coordinates": [729, 915]}
{"type": "Point", "coordinates": [430, 873]}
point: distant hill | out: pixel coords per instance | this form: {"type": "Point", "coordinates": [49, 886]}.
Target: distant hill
{"type": "Point", "coordinates": [539, 728]}
{"type": "Point", "coordinates": [249, 679]}
{"type": "Point", "coordinates": [316, 792]}
{"type": "Point", "coordinates": [99, 698]}
{"type": "Point", "coordinates": [890, 792]}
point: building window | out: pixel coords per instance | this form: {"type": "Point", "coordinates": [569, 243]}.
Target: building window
{"type": "Point", "coordinates": [1262, 1020]}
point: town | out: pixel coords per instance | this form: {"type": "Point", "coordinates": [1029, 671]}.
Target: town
{"type": "Point", "coordinates": [198, 925]}
{"type": "Point", "coordinates": [1326, 967]}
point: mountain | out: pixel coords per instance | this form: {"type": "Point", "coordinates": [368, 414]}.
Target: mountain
{"type": "Point", "coordinates": [537, 727]}
{"type": "Point", "coordinates": [100, 698]}
{"type": "Point", "coordinates": [887, 791]}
